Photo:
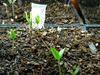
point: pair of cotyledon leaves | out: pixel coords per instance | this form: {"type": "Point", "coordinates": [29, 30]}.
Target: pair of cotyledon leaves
{"type": "Point", "coordinates": [11, 1]}
{"type": "Point", "coordinates": [37, 19]}
{"type": "Point", "coordinates": [59, 55]}
{"type": "Point", "coordinates": [12, 34]}
{"type": "Point", "coordinates": [28, 19]}
{"type": "Point", "coordinates": [56, 54]}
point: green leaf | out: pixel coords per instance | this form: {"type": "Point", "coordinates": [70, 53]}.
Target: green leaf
{"type": "Point", "coordinates": [61, 52]}
{"type": "Point", "coordinates": [77, 69]}
{"type": "Point", "coordinates": [12, 34]}
{"type": "Point", "coordinates": [5, 4]}
{"type": "Point", "coordinates": [26, 16]}
{"type": "Point", "coordinates": [71, 72]}
{"type": "Point", "coordinates": [37, 19]}
{"type": "Point", "coordinates": [14, 1]}
{"type": "Point", "coordinates": [10, 1]}
{"type": "Point", "coordinates": [28, 20]}
{"type": "Point", "coordinates": [55, 53]}
{"type": "Point", "coordinates": [98, 31]}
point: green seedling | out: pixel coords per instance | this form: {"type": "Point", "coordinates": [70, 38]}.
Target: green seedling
{"type": "Point", "coordinates": [76, 71]}
{"type": "Point", "coordinates": [57, 56]}
{"type": "Point", "coordinates": [37, 22]}
{"type": "Point", "coordinates": [6, 9]}
{"type": "Point", "coordinates": [98, 31]}
{"type": "Point", "coordinates": [12, 1]}
{"type": "Point", "coordinates": [29, 20]}
{"type": "Point", "coordinates": [12, 34]}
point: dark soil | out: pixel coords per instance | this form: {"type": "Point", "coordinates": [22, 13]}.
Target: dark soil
{"type": "Point", "coordinates": [56, 12]}
{"type": "Point", "coordinates": [92, 11]}
{"type": "Point", "coordinates": [35, 57]}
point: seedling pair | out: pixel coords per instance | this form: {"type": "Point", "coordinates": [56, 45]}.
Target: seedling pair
{"type": "Point", "coordinates": [58, 56]}
{"type": "Point", "coordinates": [29, 21]}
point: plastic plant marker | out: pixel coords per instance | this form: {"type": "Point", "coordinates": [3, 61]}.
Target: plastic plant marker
{"type": "Point", "coordinates": [76, 71]}
{"type": "Point", "coordinates": [29, 20]}
{"type": "Point", "coordinates": [57, 56]}
{"type": "Point", "coordinates": [40, 10]}
{"type": "Point", "coordinates": [37, 20]}
{"type": "Point", "coordinates": [12, 34]}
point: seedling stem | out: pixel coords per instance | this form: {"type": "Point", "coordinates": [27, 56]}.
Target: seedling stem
{"type": "Point", "coordinates": [57, 56]}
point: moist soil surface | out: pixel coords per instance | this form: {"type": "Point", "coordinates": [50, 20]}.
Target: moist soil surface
{"type": "Point", "coordinates": [33, 56]}
{"type": "Point", "coordinates": [92, 11]}
{"type": "Point", "coordinates": [56, 12]}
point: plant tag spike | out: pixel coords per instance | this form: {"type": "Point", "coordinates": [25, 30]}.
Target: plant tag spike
{"type": "Point", "coordinates": [93, 48]}
{"type": "Point", "coordinates": [40, 10]}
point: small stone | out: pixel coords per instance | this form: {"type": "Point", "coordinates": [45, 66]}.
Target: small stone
{"type": "Point", "coordinates": [61, 63]}
{"type": "Point", "coordinates": [44, 33]}
{"type": "Point", "coordinates": [16, 73]}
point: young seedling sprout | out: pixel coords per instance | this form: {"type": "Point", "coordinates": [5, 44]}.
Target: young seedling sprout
{"type": "Point", "coordinates": [37, 21]}
{"type": "Point", "coordinates": [76, 71]}
{"type": "Point", "coordinates": [12, 1]}
{"type": "Point", "coordinates": [29, 20]}
{"type": "Point", "coordinates": [98, 31]}
{"type": "Point", "coordinates": [12, 34]}
{"type": "Point", "coordinates": [57, 56]}
{"type": "Point", "coordinates": [6, 9]}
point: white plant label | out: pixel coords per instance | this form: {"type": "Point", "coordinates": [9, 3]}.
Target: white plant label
{"type": "Point", "coordinates": [38, 9]}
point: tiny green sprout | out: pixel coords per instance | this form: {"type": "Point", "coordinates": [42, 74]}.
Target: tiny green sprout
{"type": "Point", "coordinates": [76, 71]}
{"type": "Point", "coordinates": [12, 1]}
{"type": "Point", "coordinates": [29, 20]}
{"type": "Point", "coordinates": [57, 56]}
{"type": "Point", "coordinates": [12, 34]}
{"type": "Point", "coordinates": [6, 9]}
{"type": "Point", "coordinates": [5, 4]}
{"type": "Point", "coordinates": [37, 21]}
{"type": "Point", "coordinates": [98, 31]}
